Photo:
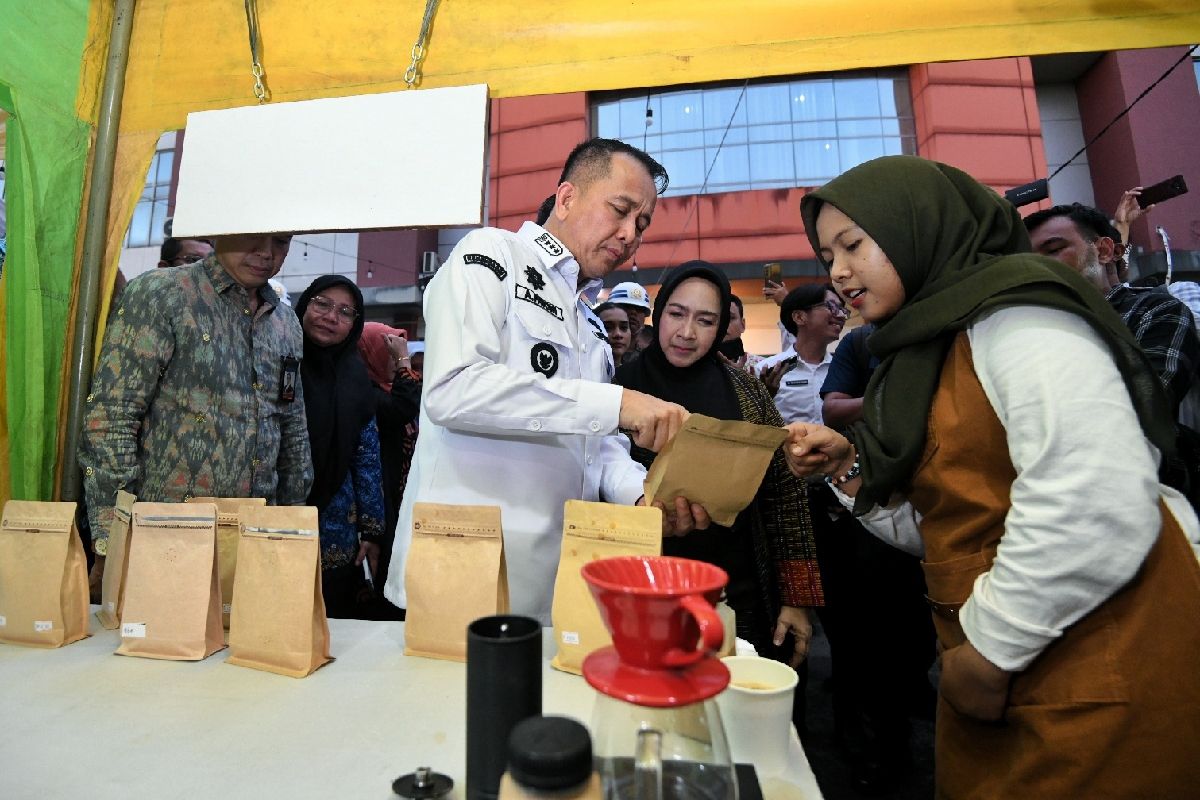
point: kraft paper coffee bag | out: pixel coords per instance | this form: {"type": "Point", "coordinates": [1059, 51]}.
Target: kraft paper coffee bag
{"type": "Point", "coordinates": [112, 588]}
{"type": "Point", "coordinates": [43, 576]}
{"type": "Point", "coordinates": [716, 463]}
{"type": "Point", "coordinates": [228, 533]}
{"type": "Point", "coordinates": [455, 574]}
{"type": "Point", "coordinates": [592, 531]}
{"type": "Point", "coordinates": [278, 623]}
{"type": "Point", "coordinates": [172, 594]}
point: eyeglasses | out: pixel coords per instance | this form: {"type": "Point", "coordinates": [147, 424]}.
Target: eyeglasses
{"type": "Point", "coordinates": [833, 306]}
{"type": "Point", "coordinates": [323, 305]}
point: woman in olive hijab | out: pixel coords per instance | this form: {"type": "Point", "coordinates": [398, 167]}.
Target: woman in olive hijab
{"type": "Point", "coordinates": [1011, 437]}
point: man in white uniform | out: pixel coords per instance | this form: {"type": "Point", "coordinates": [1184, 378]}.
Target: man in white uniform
{"type": "Point", "coordinates": [517, 409]}
{"type": "Point", "coordinates": [814, 315]}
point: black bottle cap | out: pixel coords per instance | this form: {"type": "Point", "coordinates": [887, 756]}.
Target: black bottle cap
{"type": "Point", "coordinates": [549, 753]}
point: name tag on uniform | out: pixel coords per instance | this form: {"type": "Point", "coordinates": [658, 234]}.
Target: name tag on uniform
{"type": "Point", "coordinates": [803, 382]}
{"type": "Point", "coordinates": [289, 371]}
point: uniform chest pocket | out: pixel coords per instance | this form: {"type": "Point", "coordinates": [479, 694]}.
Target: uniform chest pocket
{"type": "Point", "coordinates": [544, 336]}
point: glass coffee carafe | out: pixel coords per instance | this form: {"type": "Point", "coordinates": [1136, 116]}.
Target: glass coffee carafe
{"type": "Point", "coordinates": [657, 732]}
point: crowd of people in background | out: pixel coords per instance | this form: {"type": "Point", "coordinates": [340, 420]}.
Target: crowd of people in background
{"type": "Point", "coordinates": [994, 464]}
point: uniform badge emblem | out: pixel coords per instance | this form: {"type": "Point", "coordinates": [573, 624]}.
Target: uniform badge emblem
{"type": "Point", "coordinates": [535, 279]}
{"type": "Point", "coordinates": [549, 244]}
{"type": "Point", "coordinates": [544, 359]}
{"type": "Point", "coordinates": [486, 261]}
{"type": "Point", "coordinates": [530, 296]}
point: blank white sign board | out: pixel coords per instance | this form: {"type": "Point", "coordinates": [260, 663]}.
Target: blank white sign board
{"type": "Point", "coordinates": [394, 160]}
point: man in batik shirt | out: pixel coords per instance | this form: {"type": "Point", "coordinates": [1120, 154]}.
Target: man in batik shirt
{"type": "Point", "coordinates": [197, 391]}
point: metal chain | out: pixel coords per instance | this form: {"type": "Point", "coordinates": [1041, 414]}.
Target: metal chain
{"type": "Point", "coordinates": [412, 75]}
{"type": "Point", "coordinates": [256, 67]}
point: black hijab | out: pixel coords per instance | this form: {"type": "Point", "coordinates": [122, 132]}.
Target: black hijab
{"type": "Point", "coordinates": [703, 387]}
{"type": "Point", "coordinates": [338, 396]}
{"type": "Point", "coordinates": [960, 251]}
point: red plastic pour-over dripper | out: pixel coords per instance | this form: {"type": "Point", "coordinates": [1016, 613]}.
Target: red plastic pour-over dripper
{"type": "Point", "coordinates": [665, 629]}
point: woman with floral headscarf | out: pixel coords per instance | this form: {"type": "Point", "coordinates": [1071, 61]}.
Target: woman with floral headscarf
{"type": "Point", "coordinates": [1010, 437]}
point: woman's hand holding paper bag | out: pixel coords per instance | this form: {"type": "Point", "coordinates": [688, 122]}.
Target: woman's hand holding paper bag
{"type": "Point", "coordinates": [681, 520]}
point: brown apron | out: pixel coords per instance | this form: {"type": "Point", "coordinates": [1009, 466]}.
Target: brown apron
{"type": "Point", "coordinates": [1109, 710]}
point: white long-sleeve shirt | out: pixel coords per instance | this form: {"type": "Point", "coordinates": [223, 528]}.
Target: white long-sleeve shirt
{"type": "Point", "coordinates": [517, 410]}
{"type": "Point", "coordinates": [1084, 510]}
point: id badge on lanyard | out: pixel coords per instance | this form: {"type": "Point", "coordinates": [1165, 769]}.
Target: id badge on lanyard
{"type": "Point", "coordinates": [288, 375]}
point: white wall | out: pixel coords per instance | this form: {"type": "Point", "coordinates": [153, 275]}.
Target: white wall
{"type": "Point", "coordinates": [1062, 133]}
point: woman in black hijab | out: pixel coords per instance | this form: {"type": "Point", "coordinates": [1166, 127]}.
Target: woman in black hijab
{"type": "Point", "coordinates": [339, 406]}
{"type": "Point", "coordinates": [769, 552]}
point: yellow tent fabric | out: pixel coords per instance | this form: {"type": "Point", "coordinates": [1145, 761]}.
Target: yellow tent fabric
{"type": "Point", "coordinates": [192, 55]}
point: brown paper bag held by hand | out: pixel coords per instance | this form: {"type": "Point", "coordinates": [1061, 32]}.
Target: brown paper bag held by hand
{"type": "Point", "coordinates": [279, 622]}
{"type": "Point", "coordinates": [228, 533]}
{"type": "Point", "coordinates": [592, 531]}
{"type": "Point", "coordinates": [716, 463]}
{"type": "Point", "coordinates": [172, 595]}
{"type": "Point", "coordinates": [455, 575]}
{"type": "Point", "coordinates": [112, 592]}
{"type": "Point", "coordinates": [43, 576]}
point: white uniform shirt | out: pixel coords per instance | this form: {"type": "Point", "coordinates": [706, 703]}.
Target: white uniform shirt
{"type": "Point", "coordinates": [517, 410]}
{"type": "Point", "coordinates": [799, 395]}
{"type": "Point", "coordinates": [1085, 501]}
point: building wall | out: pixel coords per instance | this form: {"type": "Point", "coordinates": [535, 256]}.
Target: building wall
{"type": "Point", "coordinates": [982, 117]}
{"type": "Point", "coordinates": [1062, 131]}
{"type": "Point", "coordinates": [1155, 140]}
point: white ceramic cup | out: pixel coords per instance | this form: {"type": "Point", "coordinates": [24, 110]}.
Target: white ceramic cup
{"type": "Point", "coordinates": [756, 710]}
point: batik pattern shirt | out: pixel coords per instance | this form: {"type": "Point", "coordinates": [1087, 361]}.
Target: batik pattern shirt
{"type": "Point", "coordinates": [187, 396]}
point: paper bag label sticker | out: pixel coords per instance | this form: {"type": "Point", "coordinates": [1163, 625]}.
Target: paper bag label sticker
{"type": "Point", "coordinates": [42, 625]}
{"type": "Point", "coordinates": [133, 630]}
{"type": "Point", "coordinates": [3, 621]}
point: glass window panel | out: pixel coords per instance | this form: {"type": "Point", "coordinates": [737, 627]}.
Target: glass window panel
{"type": "Point", "coordinates": [731, 165]}
{"type": "Point", "coordinates": [816, 162]}
{"type": "Point", "coordinates": [719, 105]}
{"type": "Point", "coordinates": [770, 133]}
{"type": "Point", "coordinates": [893, 146]}
{"type": "Point", "coordinates": [606, 117]}
{"type": "Point", "coordinates": [814, 130]}
{"type": "Point", "coordinates": [812, 100]}
{"type": "Point", "coordinates": [737, 135]}
{"type": "Point", "coordinates": [686, 168]}
{"type": "Point", "coordinates": [157, 217]}
{"type": "Point", "coordinates": [856, 97]}
{"type": "Point", "coordinates": [890, 127]}
{"type": "Point", "coordinates": [771, 163]}
{"type": "Point", "coordinates": [859, 127]}
{"type": "Point", "coordinates": [768, 103]}
{"type": "Point", "coordinates": [683, 141]}
{"type": "Point", "coordinates": [855, 151]}
{"type": "Point", "coordinates": [139, 228]}
{"type": "Point", "coordinates": [681, 112]}
{"type": "Point", "coordinates": [166, 160]}
{"type": "Point", "coordinates": [633, 117]}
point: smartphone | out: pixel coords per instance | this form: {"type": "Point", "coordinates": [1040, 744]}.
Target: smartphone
{"type": "Point", "coordinates": [772, 273]}
{"type": "Point", "coordinates": [1171, 187]}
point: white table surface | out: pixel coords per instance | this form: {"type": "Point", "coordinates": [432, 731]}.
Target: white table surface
{"type": "Point", "coordinates": [79, 721]}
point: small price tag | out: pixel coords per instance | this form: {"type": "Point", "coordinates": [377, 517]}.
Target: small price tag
{"type": "Point", "coordinates": [226, 608]}
{"type": "Point", "coordinates": [570, 637]}
{"type": "Point", "coordinates": [133, 630]}
{"type": "Point", "coordinates": [42, 625]}
{"type": "Point", "coordinates": [3, 621]}
{"type": "Point", "coordinates": [111, 605]}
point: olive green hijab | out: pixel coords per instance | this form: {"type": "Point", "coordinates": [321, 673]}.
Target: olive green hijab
{"type": "Point", "coordinates": [960, 251]}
